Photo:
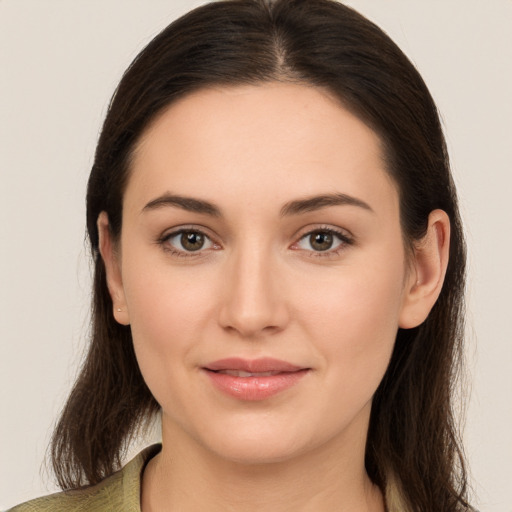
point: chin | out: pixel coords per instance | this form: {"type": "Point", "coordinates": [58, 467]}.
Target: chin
{"type": "Point", "coordinates": [258, 443]}
{"type": "Point", "coordinates": [257, 452]}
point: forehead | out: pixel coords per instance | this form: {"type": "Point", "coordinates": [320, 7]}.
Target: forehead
{"type": "Point", "coordinates": [273, 139]}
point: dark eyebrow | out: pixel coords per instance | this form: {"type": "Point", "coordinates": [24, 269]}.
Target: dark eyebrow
{"type": "Point", "coordinates": [186, 203]}
{"type": "Point", "coordinates": [310, 204]}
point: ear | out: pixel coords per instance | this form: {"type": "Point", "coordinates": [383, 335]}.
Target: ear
{"type": "Point", "coordinates": [427, 270]}
{"type": "Point", "coordinates": [111, 260]}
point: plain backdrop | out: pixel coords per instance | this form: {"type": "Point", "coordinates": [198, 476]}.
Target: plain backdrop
{"type": "Point", "coordinates": [60, 61]}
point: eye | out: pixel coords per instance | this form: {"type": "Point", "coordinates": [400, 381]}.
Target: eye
{"type": "Point", "coordinates": [187, 241]}
{"type": "Point", "coordinates": [323, 240]}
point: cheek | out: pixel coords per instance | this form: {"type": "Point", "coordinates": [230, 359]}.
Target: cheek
{"type": "Point", "coordinates": [169, 310]}
{"type": "Point", "coordinates": [166, 302]}
{"type": "Point", "coordinates": [357, 298]}
{"type": "Point", "coordinates": [354, 319]}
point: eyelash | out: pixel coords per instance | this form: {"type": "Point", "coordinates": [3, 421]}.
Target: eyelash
{"type": "Point", "coordinates": [344, 239]}
{"type": "Point", "coordinates": [164, 242]}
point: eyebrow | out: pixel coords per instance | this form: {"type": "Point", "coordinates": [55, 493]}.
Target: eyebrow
{"type": "Point", "coordinates": [296, 207]}
{"type": "Point", "coordinates": [185, 203]}
{"type": "Point", "coordinates": [310, 204]}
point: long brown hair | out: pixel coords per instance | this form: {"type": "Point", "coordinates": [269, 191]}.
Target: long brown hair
{"type": "Point", "coordinates": [413, 451]}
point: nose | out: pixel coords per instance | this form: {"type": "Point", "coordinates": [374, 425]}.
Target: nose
{"type": "Point", "coordinates": [253, 298]}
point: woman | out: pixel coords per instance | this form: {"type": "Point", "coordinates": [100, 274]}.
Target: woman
{"type": "Point", "coordinates": [279, 267]}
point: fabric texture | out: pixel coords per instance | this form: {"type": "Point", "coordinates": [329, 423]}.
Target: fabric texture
{"type": "Point", "coordinates": [118, 492]}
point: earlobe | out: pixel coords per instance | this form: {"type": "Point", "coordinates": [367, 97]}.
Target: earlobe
{"type": "Point", "coordinates": [113, 271]}
{"type": "Point", "coordinates": [428, 269]}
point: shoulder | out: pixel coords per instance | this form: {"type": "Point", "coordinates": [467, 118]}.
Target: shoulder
{"type": "Point", "coordinates": [89, 499]}
{"type": "Point", "coordinates": [119, 491]}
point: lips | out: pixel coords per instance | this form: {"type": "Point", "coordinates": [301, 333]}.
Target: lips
{"type": "Point", "coordinates": [256, 379]}
{"type": "Point", "coordinates": [241, 373]}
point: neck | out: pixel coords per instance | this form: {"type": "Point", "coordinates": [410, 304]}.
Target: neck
{"type": "Point", "coordinates": [187, 477]}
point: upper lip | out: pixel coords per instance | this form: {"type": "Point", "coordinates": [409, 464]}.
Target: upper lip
{"type": "Point", "coordinates": [264, 364]}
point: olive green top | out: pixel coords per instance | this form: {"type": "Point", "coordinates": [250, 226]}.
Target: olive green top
{"type": "Point", "coordinates": [118, 492]}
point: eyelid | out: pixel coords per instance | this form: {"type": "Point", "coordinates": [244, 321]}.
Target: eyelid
{"type": "Point", "coordinates": [167, 235]}
{"type": "Point", "coordinates": [313, 228]}
{"type": "Point", "coordinates": [344, 236]}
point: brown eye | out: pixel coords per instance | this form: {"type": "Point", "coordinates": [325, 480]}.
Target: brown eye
{"type": "Point", "coordinates": [326, 241]}
{"type": "Point", "coordinates": [192, 240]}
{"type": "Point", "coordinates": [321, 240]}
{"type": "Point", "coordinates": [188, 241]}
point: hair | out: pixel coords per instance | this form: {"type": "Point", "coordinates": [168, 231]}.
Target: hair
{"type": "Point", "coordinates": [413, 450]}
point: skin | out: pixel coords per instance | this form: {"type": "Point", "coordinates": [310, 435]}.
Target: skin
{"type": "Point", "coordinates": [259, 288]}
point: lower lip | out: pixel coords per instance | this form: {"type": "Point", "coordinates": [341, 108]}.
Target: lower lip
{"type": "Point", "coordinates": [255, 388]}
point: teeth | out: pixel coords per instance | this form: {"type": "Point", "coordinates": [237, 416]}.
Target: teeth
{"type": "Point", "coordinates": [240, 373]}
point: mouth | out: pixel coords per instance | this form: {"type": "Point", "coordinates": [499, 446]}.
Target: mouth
{"type": "Point", "coordinates": [241, 373]}
{"type": "Point", "coordinates": [261, 365]}
{"type": "Point", "coordinates": [254, 380]}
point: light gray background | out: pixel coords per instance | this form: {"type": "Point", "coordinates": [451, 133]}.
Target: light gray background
{"type": "Point", "coordinates": [59, 63]}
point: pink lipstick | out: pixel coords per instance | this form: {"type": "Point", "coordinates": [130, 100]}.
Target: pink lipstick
{"type": "Point", "coordinates": [255, 379]}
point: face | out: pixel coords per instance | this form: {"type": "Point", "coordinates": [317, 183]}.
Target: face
{"type": "Point", "coordinates": [262, 270]}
